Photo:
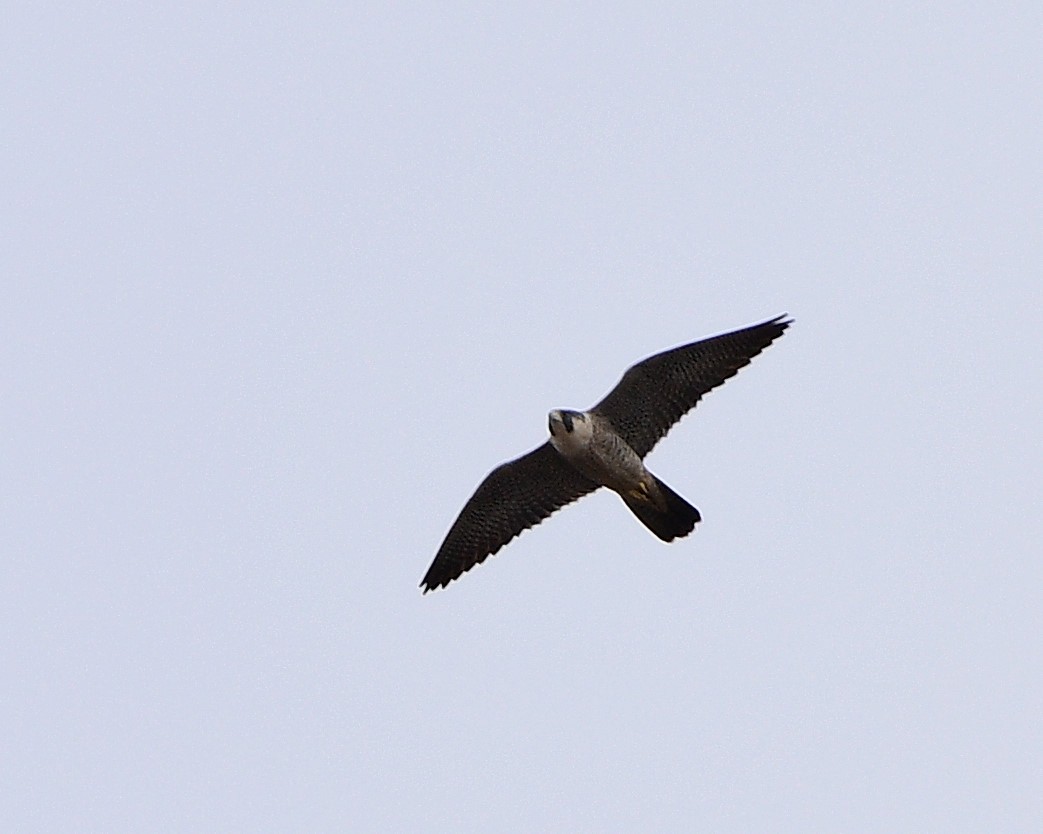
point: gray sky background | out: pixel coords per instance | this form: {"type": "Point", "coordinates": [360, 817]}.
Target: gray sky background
{"type": "Point", "coordinates": [282, 284]}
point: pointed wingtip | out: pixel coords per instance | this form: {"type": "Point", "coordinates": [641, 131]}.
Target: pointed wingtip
{"type": "Point", "coordinates": [428, 584]}
{"type": "Point", "coordinates": [778, 325]}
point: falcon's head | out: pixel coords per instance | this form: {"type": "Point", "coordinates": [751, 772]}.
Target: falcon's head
{"type": "Point", "coordinates": [561, 421]}
{"type": "Point", "coordinates": [569, 429]}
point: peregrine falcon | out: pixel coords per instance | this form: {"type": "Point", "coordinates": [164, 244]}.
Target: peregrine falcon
{"type": "Point", "coordinates": [604, 446]}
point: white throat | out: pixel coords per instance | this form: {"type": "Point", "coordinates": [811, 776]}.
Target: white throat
{"type": "Point", "coordinates": [570, 442]}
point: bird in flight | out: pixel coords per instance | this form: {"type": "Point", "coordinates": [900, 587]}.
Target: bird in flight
{"type": "Point", "coordinates": [602, 447]}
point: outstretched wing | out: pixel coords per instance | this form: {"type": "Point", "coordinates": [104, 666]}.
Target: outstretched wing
{"type": "Point", "coordinates": [658, 391]}
{"type": "Point", "coordinates": [515, 496]}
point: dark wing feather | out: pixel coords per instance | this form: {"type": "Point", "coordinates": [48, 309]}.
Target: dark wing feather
{"type": "Point", "coordinates": [513, 497]}
{"type": "Point", "coordinates": [657, 392]}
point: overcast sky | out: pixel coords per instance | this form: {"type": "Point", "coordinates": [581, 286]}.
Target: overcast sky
{"type": "Point", "coordinates": [284, 282]}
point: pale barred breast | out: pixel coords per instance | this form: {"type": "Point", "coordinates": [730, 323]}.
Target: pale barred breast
{"type": "Point", "coordinates": [618, 466]}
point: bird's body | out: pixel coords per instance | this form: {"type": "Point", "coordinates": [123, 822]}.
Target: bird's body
{"type": "Point", "coordinates": [593, 448]}
{"type": "Point", "coordinates": [602, 447]}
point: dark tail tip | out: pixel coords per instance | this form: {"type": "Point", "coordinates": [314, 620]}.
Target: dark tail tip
{"type": "Point", "coordinates": [676, 522]}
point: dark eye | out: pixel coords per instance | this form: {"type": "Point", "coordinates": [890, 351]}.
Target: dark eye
{"type": "Point", "coordinates": [566, 418]}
